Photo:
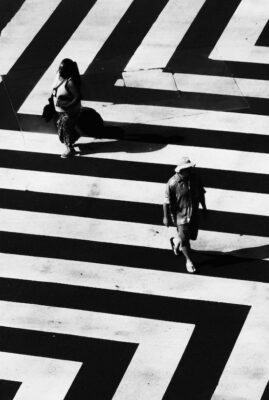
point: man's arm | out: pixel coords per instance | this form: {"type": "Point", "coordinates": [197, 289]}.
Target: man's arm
{"type": "Point", "coordinates": [202, 200]}
{"type": "Point", "coordinates": [167, 218]}
{"type": "Point", "coordinates": [166, 214]}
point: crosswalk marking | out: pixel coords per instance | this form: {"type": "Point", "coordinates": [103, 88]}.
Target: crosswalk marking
{"type": "Point", "coordinates": [15, 37]}
{"type": "Point", "coordinates": [132, 280]}
{"type": "Point", "coordinates": [84, 45]}
{"type": "Point", "coordinates": [42, 378]}
{"type": "Point", "coordinates": [185, 118]}
{"type": "Point", "coordinates": [125, 190]}
{"type": "Point", "coordinates": [221, 159]}
{"type": "Point", "coordinates": [170, 116]}
{"type": "Point", "coordinates": [119, 232]}
{"type": "Point", "coordinates": [161, 343]}
{"type": "Point", "coordinates": [238, 40]}
{"type": "Point", "coordinates": [210, 84]}
{"type": "Point", "coordinates": [165, 34]}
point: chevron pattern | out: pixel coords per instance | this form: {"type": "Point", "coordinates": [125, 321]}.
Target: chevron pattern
{"type": "Point", "coordinates": [93, 302]}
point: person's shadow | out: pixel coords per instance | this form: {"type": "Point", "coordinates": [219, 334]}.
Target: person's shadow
{"type": "Point", "coordinates": [245, 264]}
{"type": "Point", "coordinates": [115, 139]}
{"type": "Point", "coordinates": [258, 253]}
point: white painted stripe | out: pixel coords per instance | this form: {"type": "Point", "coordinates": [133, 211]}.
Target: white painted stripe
{"type": "Point", "coordinates": [225, 160]}
{"type": "Point", "coordinates": [121, 232]}
{"type": "Point", "coordinates": [237, 43]}
{"type": "Point", "coordinates": [85, 186]}
{"type": "Point", "coordinates": [237, 202]}
{"type": "Point", "coordinates": [169, 116]}
{"type": "Point", "coordinates": [125, 190]}
{"type": "Point", "coordinates": [185, 118]}
{"type": "Point", "coordinates": [210, 84]}
{"type": "Point", "coordinates": [83, 46]}
{"type": "Point", "coordinates": [165, 34]}
{"type": "Point", "coordinates": [42, 378]}
{"type": "Point", "coordinates": [22, 29]}
{"type": "Point", "coordinates": [148, 79]}
{"type": "Point", "coordinates": [161, 343]}
{"type": "Point", "coordinates": [133, 280]}
{"type": "Point", "coordinates": [246, 373]}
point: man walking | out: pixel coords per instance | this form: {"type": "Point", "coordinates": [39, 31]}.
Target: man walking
{"type": "Point", "coordinates": [184, 192]}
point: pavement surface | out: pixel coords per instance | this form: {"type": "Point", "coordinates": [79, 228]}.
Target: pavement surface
{"type": "Point", "coordinates": [93, 302]}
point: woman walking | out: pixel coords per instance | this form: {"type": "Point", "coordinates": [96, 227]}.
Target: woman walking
{"type": "Point", "coordinates": [67, 102]}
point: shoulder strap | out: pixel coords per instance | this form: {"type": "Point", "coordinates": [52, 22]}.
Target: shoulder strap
{"type": "Point", "coordinates": [54, 90]}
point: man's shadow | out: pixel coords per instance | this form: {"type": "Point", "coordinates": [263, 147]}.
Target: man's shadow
{"type": "Point", "coordinates": [244, 264]}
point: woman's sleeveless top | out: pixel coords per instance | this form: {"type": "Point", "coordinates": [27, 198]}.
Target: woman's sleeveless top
{"type": "Point", "coordinates": [61, 90]}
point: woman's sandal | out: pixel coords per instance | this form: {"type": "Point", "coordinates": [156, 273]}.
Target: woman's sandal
{"type": "Point", "coordinates": [173, 246]}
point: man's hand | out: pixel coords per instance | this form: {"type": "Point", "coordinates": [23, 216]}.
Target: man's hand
{"type": "Point", "coordinates": [165, 221]}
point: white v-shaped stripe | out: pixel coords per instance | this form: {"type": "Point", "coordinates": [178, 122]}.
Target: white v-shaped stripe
{"type": "Point", "coordinates": [161, 344]}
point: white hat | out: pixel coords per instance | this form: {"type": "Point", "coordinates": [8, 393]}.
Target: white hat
{"type": "Point", "coordinates": [184, 163]}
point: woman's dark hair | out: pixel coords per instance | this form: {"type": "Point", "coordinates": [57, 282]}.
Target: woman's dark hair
{"type": "Point", "coordinates": [69, 69]}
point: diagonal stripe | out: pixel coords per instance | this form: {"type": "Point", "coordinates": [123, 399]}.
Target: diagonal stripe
{"type": "Point", "coordinates": [125, 190]}
{"type": "Point", "coordinates": [7, 10]}
{"type": "Point", "coordinates": [251, 352]}
{"type": "Point", "coordinates": [161, 343]}
{"type": "Point", "coordinates": [15, 37]}
{"type": "Point", "coordinates": [231, 160]}
{"type": "Point", "coordinates": [118, 232]}
{"type": "Point", "coordinates": [42, 378]}
{"type": "Point", "coordinates": [166, 33]}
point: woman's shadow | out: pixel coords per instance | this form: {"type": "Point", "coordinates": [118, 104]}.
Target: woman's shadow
{"type": "Point", "coordinates": [109, 138]}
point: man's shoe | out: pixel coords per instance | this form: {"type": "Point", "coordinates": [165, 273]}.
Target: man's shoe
{"type": "Point", "coordinates": [190, 267]}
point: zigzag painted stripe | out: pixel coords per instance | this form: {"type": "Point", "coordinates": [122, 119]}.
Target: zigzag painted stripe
{"type": "Point", "coordinates": [40, 377]}
{"type": "Point", "coordinates": [237, 43]}
{"type": "Point", "coordinates": [161, 343]}
{"type": "Point", "coordinates": [234, 379]}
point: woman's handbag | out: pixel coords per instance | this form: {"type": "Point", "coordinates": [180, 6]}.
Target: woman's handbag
{"type": "Point", "coordinates": [49, 110]}
{"type": "Point", "coordinates": [90, 122]}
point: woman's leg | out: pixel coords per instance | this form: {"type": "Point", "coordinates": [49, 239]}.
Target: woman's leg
{"type": "Point", "coordinates": [66, 128]}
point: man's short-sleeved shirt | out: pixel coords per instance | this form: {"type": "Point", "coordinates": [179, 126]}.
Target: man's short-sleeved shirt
{"type": "Point", "coordinates": [184, 196]}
